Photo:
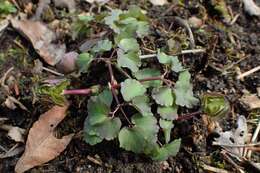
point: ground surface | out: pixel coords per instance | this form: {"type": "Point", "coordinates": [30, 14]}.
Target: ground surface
{"type": "Point", "coordinates": [228, 47]}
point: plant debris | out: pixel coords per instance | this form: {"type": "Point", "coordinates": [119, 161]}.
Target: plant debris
{"type": "Point", "coordinates": [42, 39]}
{"type": "Point", "coordinates": [41, 145]}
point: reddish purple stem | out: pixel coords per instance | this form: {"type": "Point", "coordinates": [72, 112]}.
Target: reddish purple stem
{"type": "Point", "coordinates": [86, 91]}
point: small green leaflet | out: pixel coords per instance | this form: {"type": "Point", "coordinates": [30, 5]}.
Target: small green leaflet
{"type": "Point", "coordinates": [92, 139]}
{"type": "Point", "coordinates": [142, 29]}
{"type": "Point", "coordinates": [167, 150]}
{"type": "Point", "coordinates": [163, 96]}
{"type": "Point", "coordinates": [97, 111]}
{"type": "Point", "coordinates": [141, 103]}
{"type": "Point", "coordinates": [141, 137]}
{"type": "Point", "coordinates": [131, 88]}
{"type": "Point", "coordinates": [163, 58]}
{"type": "Point", "coordinates": [176, 65]}
{"type": "Point", "coordinates": [139, 28]}
{"type": "Point", "coordinates": [172, 61]}
{"type": "Point", "coordinates": [148, 124]}
{"type": "Point", "coordinates": [129, 44]}
{"type": "Point", "coordinates": [183, 91]}
{"type": "Point", "coordinates": [135, 12]}
{"type": "Point", "coordinates": [129, 60]}
{"type": "Point", "coordinates": [108, 129]}
{"type": "Point", "coordinates": [6, 7]}
{"type": "Point", "coordinates": [131, 139]}
{"type": "Point", "coordinates": [146, 73]}
{"type": "Point", "coordinates": [167, 128]}
{"type": "Point", "coordinates": [98, 125]}
{"type": "Point", "coordinates": [83, 62]}
{"type": "Point", "coordinates": [102, 46]}
{"type": "Point", "coordinates": [169, 112]}
{"type": "Point", "coordinates": [112, 18]}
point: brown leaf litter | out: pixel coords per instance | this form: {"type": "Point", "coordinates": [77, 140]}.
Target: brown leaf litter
{"type": "Point", "coordinates": [41, 145]}
{"type": "Point", "coordinates": [42, 39]}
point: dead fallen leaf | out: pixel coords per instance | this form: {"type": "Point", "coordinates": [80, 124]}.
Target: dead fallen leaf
{"type": "Point", "coordinates": [41, 145]}
{"type": "Point", "coordinates": [251, 8]}
{"type": "Point", "coordinates": [251, 101]}
{"type": "Point", "coordinates": [236, 136]}
{"type": "Point", "coordinates": [158, 2]}
{"type": "Point", "coordinates": [42, 39]}
{"type": "Point", "coordinates": [68, 62]}
{"type": "Point", "coordinates": [15, 133]}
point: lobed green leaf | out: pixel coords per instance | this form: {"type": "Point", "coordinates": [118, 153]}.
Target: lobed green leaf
{"type": "Point", "coordinates": [83, 62]}
{"type": "Point", "coordinates": [167, 126]}
{"type": "Point", "coordinates": [183, 91]}
{"type": "Point", "coordinates": [141, 103]}
{"type": "Point", "coordinates": [129, 60]}
{"type": "Point", "coordinates": [163, 96]}
{"type": "Point", "coordinates": [146, 73]}
{"type": "Point", "coordinates": [132, 88]}
{"type": "Point", "coordinates": [169, 112]}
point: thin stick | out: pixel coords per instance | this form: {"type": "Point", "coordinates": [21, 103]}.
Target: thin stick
{"type": "Point", "coordinates": [213, 169]}
{"type": "Point", "coordinates": [234, 19]}
{"type": "Point", "coordinates": [254, 138]}
{"type": "Point", "coordinates": [111, 84]}
{"type": "Point", "coordinates": [230, 160]}
{"type": "Point", "coordinates": [186, 25]}
{"type": "Point", "coordinates": [52, 71]}
{"type": "Point", "coordinates": [181, 53]}
{"type": "Point", "coordinates": [241, 76]}
{"type": "Point", "coordinates": [188, 116]}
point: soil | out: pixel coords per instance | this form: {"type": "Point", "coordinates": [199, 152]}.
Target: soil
{"type": "Point", "coordinates": [213, 71]}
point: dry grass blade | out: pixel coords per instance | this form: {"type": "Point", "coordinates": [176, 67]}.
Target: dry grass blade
{"type": "Point", "coordinates": [42, 146]}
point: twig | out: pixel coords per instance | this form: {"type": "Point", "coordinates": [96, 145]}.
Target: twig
{"type": "Point", "coordinates": [112, 83]}
{"type": "Point", "coordinates": [241, 76]}
{"type": "Point", "coordinates": [234, 19]}
{"type": "Point", "coordinates": [230, 160]}
{"type": "Point", "coordinates": [254, 138]}
{"type": "Point", "coordinates": [122, 71]}
{"type": "Point", "coordinates": [52, 71]}
{"type": "Point", "coordinates": [213, 169]}
{"type": "Point", "coordinates": [188, 116]}
{"type": "Point", "coordinates": [3, 148]}
{"type": "Point", "coordinates": [186, 25]}
{"type": "Point", "coordinates": [181, 53]}
{"type": "Point", "coordinates": [192, 51]}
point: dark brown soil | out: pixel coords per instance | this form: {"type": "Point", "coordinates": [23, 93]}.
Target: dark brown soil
{"type": "Point", "coordinates": [209, 71]}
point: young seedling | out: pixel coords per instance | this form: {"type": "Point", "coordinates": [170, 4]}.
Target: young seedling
{"type": "Point", "coordinates": [146, 85]}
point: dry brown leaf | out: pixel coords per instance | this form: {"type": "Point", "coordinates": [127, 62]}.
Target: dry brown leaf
{"type": "Point", "coordinates": [41, 145]}
{"type": "Point", "coordinates": [15, 133]}
{"type": "Point", "coordinates": [251, 101]}
{"type": "Point", "coordinates": [251, 7]}
{"type": "Point", "coordinates": [42, 39]}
